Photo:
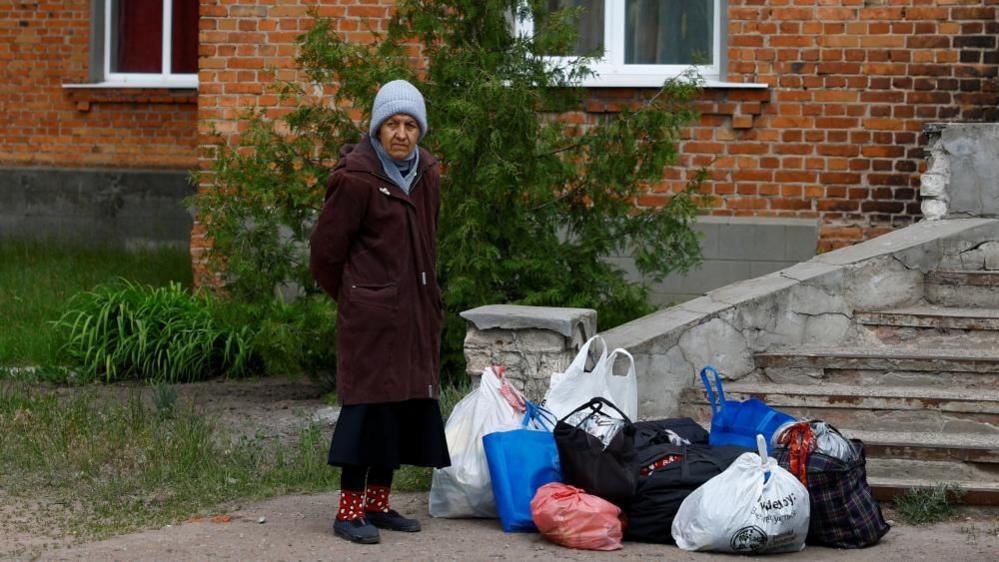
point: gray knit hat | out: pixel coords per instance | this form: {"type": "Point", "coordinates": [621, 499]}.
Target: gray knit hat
{"type": "Point", "coordinates": [398, 96]}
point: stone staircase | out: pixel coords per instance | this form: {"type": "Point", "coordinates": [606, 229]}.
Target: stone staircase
{"type": "Point", "coordinates": [919, 385]}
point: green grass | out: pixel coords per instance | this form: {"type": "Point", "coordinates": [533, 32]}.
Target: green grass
{"type": "Point", "coordinates": [123, 466]}
{"type": "Point", "coordinates": [920, 507]}
{"type": "Point", "coordinates": [38, 278]}
{"type": "Point", "coordinates": [120, 466]}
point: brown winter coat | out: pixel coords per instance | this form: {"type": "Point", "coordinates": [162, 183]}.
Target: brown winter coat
{"type": "Point", "coordinates": [374, 250]}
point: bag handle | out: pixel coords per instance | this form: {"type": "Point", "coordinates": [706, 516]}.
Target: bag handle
{"type": "Point", "coordinates": [613, 357]}
{"type": "Point", "coordinates": [538, 414]}
{"type": "Point", "coordinates": [579, 362]}
{"type": "Point", "coordinates": [761, 448]}
{"type": "Point", "coordinates": [716, 406]}
{"type": "Point", "coordinates": [596, 404]}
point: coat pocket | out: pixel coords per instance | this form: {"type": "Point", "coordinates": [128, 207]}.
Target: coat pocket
{"type": "Point", "coordinates": [385, 296]}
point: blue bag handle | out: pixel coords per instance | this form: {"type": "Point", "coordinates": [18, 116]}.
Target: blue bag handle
{"type": "Point", "coordinates": [766, 420]}
{"type": "Point", "coordinates": [538, 414]}
{"type": "Point", "coordinates": [716, 406]}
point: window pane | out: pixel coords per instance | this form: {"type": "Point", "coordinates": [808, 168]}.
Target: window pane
{"type": "Point", "coordinates": [669, 32]}
{"type": "Point", "coordinates": [590, 27]}
{"type": "Point", "coordinates": [184, 48]}
{"type": "Point", "coordinates": [137, 36]}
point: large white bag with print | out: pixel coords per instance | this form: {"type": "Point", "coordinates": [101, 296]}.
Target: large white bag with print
{"type": "Point", "coordinates": [577, 386]}
{"type": "Point", "coordinates": [754, 507]}
{"type": "Point", "coordinates": [465, 489]}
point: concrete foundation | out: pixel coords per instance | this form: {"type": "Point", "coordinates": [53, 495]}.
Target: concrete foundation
{"type": "Point", "coordinates": [734, 249]}
{"type": "Point", "coordinates": [99, 207]}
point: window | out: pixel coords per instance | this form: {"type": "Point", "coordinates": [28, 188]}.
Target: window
{"type": "Point", "coordinates": [144, 43]}
{"type": "Point", "coordinates": [644, 42]}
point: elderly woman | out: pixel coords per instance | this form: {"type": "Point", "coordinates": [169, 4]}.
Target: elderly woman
{"type": "Point", "coordinates": [374, 251]}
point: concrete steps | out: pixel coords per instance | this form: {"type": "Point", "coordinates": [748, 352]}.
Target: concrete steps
{"type": "Point", "coordinates": [942, 368]}
{"type": "Point", "coordinates": [872, 408]}
{"type": "Point", "coordinates": [933, 326]}
{"type": "Point", "coordinates": [961, 447]}
{"type": "Point", "coordinates": [920, 387]}
{"type": "Point", "coordinates": [963, 288]}
{"type": "Point", "coordinates": [977, 492]}
{"type": "Point", "coordinates": [914, 437]}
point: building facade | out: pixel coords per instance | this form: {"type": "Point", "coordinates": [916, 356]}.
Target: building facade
{"type": "Point", "coordinates": [812, 114]}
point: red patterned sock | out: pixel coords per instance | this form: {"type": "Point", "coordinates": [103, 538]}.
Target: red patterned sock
{"type": "Point", "coordinates": [377, 498]}
{"type": "Point", "coordinates": [350, 505]}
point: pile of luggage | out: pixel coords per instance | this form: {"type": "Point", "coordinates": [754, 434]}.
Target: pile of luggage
{"type": "Point", "coordinates": [580, 471]}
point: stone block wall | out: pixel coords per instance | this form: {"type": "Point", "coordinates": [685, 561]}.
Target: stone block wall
{"type": "Point", "coordinates": [963, 174]}
{"type": "Point", "coordinates": [532, 342]}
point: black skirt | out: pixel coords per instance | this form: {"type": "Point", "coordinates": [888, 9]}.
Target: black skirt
{"type": "Point", "coordinates": [389, 435]}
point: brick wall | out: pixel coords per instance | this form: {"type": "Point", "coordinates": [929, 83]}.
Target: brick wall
{"type": "Point", "coordinates": [835, 137]}
{"type": "Point", "coordinates": [44, 44]}
{"type": "Point", "coordinates": [244, 47]}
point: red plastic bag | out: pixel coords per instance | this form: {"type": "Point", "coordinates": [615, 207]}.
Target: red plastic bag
{"type": "Point", "coordinates": [570, 517]}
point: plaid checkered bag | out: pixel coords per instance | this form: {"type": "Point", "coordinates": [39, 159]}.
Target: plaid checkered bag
{"type": "Point", "coordinates": [844, 513]}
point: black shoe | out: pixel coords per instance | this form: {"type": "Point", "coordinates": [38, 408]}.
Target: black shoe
{"type": "Point", "coordinates": [392, 520]}
{"type": "Point", "coordinates": [356, 530]}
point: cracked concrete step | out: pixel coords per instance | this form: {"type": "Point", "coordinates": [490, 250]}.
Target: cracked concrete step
{"type": "Point", "coordinates": [930, 316]}
{"type": "Point", "coordinates": [963, 288]}
{"type": "Point", "coordinates": [882, 366]}
{"type": "Point", "coordinates": [871, 408]}
{"type": "Point", "coordinates": [959, 447]}
{"type": "Point", "coordinates": [932, 326]}
{"type": "Point", "coordinates": [975, 492]}
{"type": "Point", "coordinates": [936, 471]}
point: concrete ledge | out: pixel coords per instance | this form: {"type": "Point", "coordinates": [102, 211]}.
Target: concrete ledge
{"type": "Point", "coordinates": [532, 342]}
{"type": "Point", "coordinates": [808, 303]}
{"type": "Point", "coordinates": [565, 321]}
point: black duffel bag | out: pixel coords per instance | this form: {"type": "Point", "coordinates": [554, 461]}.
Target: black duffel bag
{"type": "Point", "coordinates": [657, 432]}
{"type": "Point", "coordinates": [608, 472]}
{"type": "Point", "coordinates": [667, 475]}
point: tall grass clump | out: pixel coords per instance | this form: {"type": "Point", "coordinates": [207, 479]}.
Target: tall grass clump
{"type": "Point", "coordinates": [37, 278]}
{"type": "Point", "coordinates": [127, 330]}
{"type": "Point", "coordinates": [921, 507]}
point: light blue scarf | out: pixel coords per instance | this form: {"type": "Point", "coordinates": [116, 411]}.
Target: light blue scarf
{"type": "Point", "coordinates": [402, 172]}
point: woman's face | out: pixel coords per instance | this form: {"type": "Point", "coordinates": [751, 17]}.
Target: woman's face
{"type": "Point", "coordinates": [399, 134]}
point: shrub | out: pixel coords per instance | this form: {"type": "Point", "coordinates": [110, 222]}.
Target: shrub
{"type": "Point", "coordinates": [532, 204]}
{"type": "Point", "coordinates": [127, 330]}
{"type": "Point", "coordinates": [289, 338]}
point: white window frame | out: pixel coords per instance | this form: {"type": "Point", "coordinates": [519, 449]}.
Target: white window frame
{"type": "Point", "coordinates": [611, 70]}
{"type": "Point", "coordinates": [147, 79]}
{"type": "Point", "coordinates": [100, 56]}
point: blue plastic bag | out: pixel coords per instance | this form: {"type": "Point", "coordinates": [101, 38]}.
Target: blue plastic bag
{"type": "Point", "coordinates": [521, 461]}
{"type": "Point", "coordinates": [738, 423]}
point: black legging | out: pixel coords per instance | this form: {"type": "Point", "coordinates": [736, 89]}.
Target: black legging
{"type": "Point", "coordinates": [353, 478]}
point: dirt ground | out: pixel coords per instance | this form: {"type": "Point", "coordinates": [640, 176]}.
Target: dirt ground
{"type": "Point", "coordinates": [299, 527]}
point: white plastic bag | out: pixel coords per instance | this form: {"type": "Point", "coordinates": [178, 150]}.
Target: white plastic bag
{"type": "Point", "coordinates": [742, 510]}
{"type": "Point", "coordinates": [576, 386]}
{"type": "Point", "coordinates": [828, 440]}
{"type": "Point", "coordinates": [464, 489]}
